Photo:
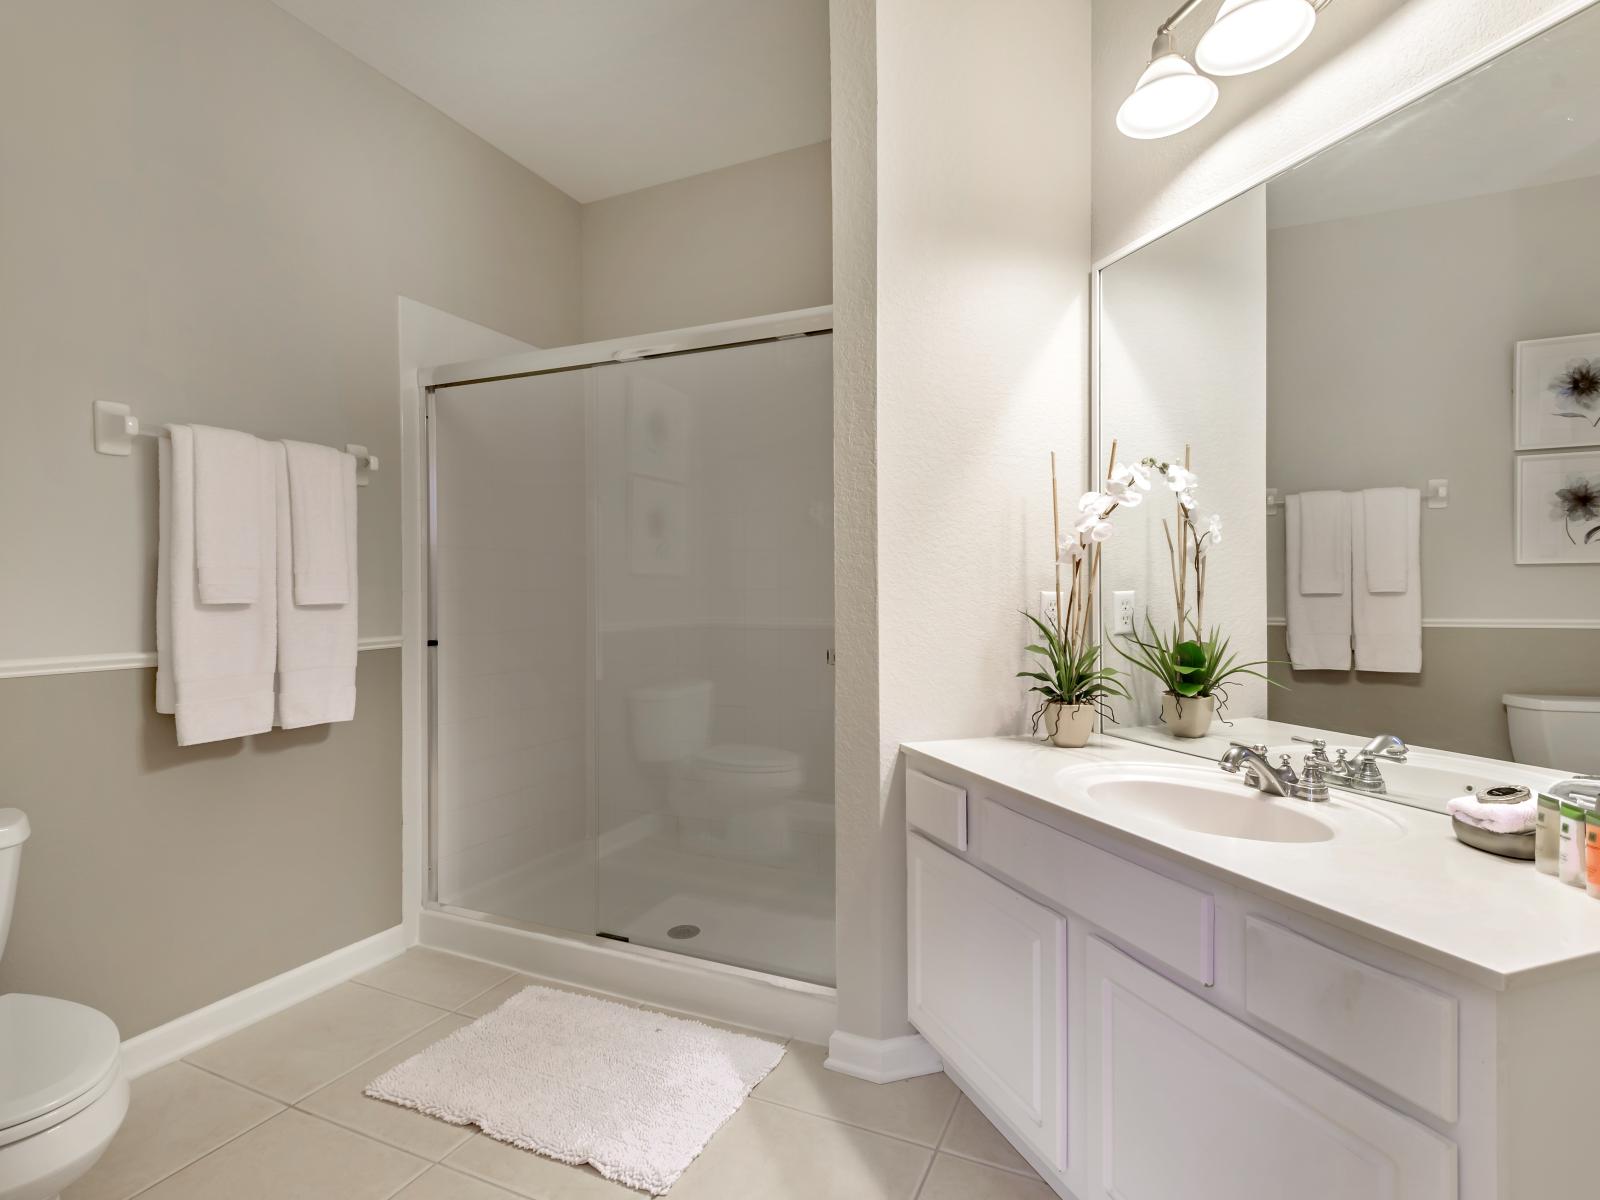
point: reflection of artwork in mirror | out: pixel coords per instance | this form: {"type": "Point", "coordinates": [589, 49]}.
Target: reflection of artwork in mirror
{"type": "Point", "coordinates": [1558, 392]}
{"type": "Point", "coordinates": [1558, 508]}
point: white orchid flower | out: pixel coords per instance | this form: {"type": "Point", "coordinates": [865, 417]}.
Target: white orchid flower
{"type": "Point", "coordinates": [1094, 502]}
{"type": "Point", "coordinates": [1214, 528]}
{"type": "Point", "coordinates": [1125, 494]}
{"type": "Point", "coordinates": [1181, 479]}
{"type": "Point", "coordinates": [1070, 550]}
{"type": "Point", "coordinates": [1131, 475]}
{"type": "Point", "coordinates": [1093, 528]}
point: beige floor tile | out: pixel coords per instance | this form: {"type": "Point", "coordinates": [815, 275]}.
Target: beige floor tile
{"type": "Point", "coordinates": [530, 1174]}
{"type": "Point", "coordinates": [177, 1114]}
{"type": "Point", "coordinates": [344, 1103]}
{"type": "Point", "coordinates": [971, 1135]}
{"type": "Point", "coordinates": [441, 1183]}
{"type": "Point", "coordinates": [767, 1152]}
{"type": "Point", "coordinates": [958, 1179]}
{"type": "Point", "coordinates": [915, 1109]}
{"type": "Point", "coordinates": [434, 977]}
{"type": "Point", "coordinates": [295, 1052]}
{"type": "Point", "coordinates": [498, 995]}
{"type": "Point", "coordinates": [297, 1156]}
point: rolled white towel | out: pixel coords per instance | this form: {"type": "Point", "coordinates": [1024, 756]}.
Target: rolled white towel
{"type": "Point", "coordinates": [1495, 818]}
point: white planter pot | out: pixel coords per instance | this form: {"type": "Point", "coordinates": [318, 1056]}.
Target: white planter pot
{"type": "Point", "coordinates": [1188, 717]}
{"type": "Point", "coordinates": [1069, 724]}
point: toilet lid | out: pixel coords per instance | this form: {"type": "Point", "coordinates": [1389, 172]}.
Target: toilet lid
{"type": "Point", "coordinates": [51, 1053]}
{"type": "Point", "coordinates": [1583, 704]}
{"type": "Point", "coordinates": [754, 760]}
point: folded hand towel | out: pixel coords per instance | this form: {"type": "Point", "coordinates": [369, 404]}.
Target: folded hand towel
{"type": "Point", "coordinates": [1388, 559]}
{"type": "Point", "coordinates": [214, 662]}
{"type": "Point", "coordinates": [322, 569]}
{"type": "Point", "coordinates": [226, 492]}
{"type": "Point", "coordinates": [1388, 625]}
{"type": "Point", "coordinates": [1496, 818]}
{"type": "Point", "coordinates": [316, 642]}
{"type": "Point", "coordinates": [1319, 622]}
{"type": "Point", "coordinates": [1324, 544]}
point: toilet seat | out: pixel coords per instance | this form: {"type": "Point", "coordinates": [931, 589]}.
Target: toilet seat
{"type": "Point", "coordinates": [56, 1059]}
{"type": "Point", "coordinates": [735, 759]}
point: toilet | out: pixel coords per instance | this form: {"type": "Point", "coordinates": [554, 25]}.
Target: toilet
{"type": "Point", "coordinates": [62, 1092]}
{"type": "Point", "coordinates": [1560, 732]}
{"type": "Point", "coordinates": [730, 800]}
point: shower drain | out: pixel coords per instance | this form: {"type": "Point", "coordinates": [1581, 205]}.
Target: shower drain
{"type": "Point", "coordinates": [683, 932]}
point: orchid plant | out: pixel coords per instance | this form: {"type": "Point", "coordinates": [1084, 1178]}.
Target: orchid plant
{"type": "Point", "coordinates": [1189, 660]}
{"type": "Point", "coordinates": [1069, 671]}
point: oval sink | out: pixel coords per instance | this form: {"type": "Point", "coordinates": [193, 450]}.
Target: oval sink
{"type": "Point", "coordinates": [1206, 801]}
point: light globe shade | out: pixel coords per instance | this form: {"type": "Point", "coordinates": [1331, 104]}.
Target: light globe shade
{"type": "Point", "coordinates": [1169, 97]}
{"type": "Point", "coordinates": [1250, 34]}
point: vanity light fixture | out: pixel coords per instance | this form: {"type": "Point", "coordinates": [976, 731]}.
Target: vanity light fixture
{"type": "Point", "coordinates": [1245, 36]}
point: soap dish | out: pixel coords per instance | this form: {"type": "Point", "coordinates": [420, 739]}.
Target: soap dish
{"type": "Point", "coordinates": [1506, 845]}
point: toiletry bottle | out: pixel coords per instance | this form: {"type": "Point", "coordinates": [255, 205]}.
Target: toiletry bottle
{"type": "Point", "coordinates": [1571, 866]}
{"type": "Point", "coordinates": [1591, 825]}
{"type": "Point", "coordinates": [1547, 834]}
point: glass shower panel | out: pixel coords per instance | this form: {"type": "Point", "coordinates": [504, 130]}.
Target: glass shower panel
{"type": "Point", "coordinates": [513, 830]}
{"type": "Point", "coordinates": [713, 693]}
{"type": "Point", "coordinates": [633, 577]}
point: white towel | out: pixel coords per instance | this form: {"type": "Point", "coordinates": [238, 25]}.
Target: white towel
{"type": "Point", "coordinates": [1496, 818]}
{"type": "Point", "coordinates": [1389, 539]}
{"type": "Point", "coordinates": [322, 567]}
{"type": "Point", "coordinates": [1324, 544]}
{"type": "Point", "coordinates": [316, 643]}
{"type": "Point", "coordinates": [213, 661]}
{"type": "Point", "coordinates": [1388, 625]}
{"type": "Point", "coordinates": [1319, 621]}
{"type": "Point", "coordinates": [226, 498]}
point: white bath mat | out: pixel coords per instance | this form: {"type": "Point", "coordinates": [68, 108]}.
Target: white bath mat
{"type": "Point", "coordinates": [635, 1094]}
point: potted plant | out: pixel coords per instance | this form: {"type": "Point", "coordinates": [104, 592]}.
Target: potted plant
{"type": "Point", "coordinates": [1071, 682]}
{"type": "Point", "coordinates": [1192, 664]}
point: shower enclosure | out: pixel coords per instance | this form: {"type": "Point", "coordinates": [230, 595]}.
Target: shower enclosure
{"type": "Point", "coordinates": [631, 631]}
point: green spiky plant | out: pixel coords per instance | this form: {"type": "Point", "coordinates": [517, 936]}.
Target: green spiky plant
{"type": "Point", "coordinates": [1069, 674]}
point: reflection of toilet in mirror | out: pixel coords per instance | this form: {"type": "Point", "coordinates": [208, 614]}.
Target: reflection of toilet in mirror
{"type": "Point", "coordinates": [734, 801]}
{"type": "Point", "coordinates": [1561, 732]}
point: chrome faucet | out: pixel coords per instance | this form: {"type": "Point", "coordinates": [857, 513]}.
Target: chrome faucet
{"type": "Point", "coordinates": [1385, 745]}
{"type": "Point", "coordinates": [1275, 781]}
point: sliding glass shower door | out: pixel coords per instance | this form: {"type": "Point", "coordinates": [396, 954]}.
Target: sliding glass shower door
{"type": "Point", "coordinates": [633, 592]}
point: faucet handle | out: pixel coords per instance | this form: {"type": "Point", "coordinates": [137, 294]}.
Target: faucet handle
{"type": "Point", "coordinates": [1314, 743]}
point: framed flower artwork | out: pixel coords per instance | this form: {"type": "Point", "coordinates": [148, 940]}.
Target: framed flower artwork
{"type": "Point", "coordinates": [1558, 508]}
{"type": "Point", "coordinates": [1558, 393]}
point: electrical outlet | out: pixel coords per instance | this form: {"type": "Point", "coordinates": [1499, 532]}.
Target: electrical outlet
{"type": "Point", "coordinates": [1047, 607]}
{"type": "Point", "coordinates": [1122, 611]}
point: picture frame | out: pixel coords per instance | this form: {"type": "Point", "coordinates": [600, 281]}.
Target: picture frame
{"type": "Point", "coordinates": [1557, 516]}
{"type": "Point", "coordinates": [1556, 397]}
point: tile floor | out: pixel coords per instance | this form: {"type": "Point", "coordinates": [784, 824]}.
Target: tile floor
{"type": "Point", "coordinates": [276, 1110]}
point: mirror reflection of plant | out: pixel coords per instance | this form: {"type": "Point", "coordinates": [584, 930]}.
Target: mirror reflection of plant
{"type": "Point", "coordinates": [1071, 672]}
{"type": "Point", "coordinates": [1190, 662]}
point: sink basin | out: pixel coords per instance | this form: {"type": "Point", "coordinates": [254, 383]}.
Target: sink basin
{"type": "Point", "coordinates": [1205, 800]}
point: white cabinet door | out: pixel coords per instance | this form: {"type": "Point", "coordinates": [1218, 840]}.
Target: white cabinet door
{"type": "Point", "coordinates": [1184, 1101]}
{"type": "Point", "coordinates": [988, 989]}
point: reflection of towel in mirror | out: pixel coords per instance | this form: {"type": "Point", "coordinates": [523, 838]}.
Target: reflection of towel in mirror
{"type": "Point", "coordinates": [1386, 555]}
{"type": "Point", "coordinates": [1495, 818]}
{"type": "Point", "coordinates": [1317, 587]}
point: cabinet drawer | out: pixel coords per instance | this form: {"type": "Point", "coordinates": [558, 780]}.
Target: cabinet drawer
{"type": "Point", "coordinates": [1161, 917]}
{"type": "Point", "coordinates": [937, 808]}
{"type": "Point", "coordinates": [1399, 1034]}
{"type": "Point", "coordinates": [986, 971]}
{"type": "Point", "coordinates": [1184, 1101]}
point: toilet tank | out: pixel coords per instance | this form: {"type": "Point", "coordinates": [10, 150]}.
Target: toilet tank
{"type": "Point", "coordinates": [670, 722]}
{"type": "Point", "coordinates": [13, 832]}
{"type": "Point", "coordinates": [1560, 732]}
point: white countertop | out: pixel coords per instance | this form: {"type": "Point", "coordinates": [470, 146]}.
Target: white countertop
{"type": "Point", "coordinates": [1496, 921]}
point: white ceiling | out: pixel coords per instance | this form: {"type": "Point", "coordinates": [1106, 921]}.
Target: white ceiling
{"type": "Point", "coordinates": [602, 97]}
{"type": "Point", "coordinates": [1528, 118]}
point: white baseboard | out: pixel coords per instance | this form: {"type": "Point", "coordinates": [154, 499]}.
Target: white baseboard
{"type": "Point", "coordinates": [786, 1007]}
{"type": "Point", "coordinates": [167, 1043]}
{"type": "Point", "coordinates": [882, 1060]}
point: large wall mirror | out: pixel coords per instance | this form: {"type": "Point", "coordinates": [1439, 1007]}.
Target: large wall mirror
{"type": "Point", "coordinates": [1382, 368]}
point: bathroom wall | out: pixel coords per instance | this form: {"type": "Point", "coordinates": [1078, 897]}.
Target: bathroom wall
{"type": "Point", "coordinates": [1183, 362]}
{"type": "Point", "coordinates": [961, 258]}
{"type": "Point", "coordinates": [1365, 56]}
{"type": "Point", "coordinates": [739, 242]}
{"type": "Point", "coordinates": [187, 229]}
{"type": "Point", "coordinates": [1435, 296]}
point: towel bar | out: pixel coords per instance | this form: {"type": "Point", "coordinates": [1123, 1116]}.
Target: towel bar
{"type": "Point", "coordinates": [115, 427]}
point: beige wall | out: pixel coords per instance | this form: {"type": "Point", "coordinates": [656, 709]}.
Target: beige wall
{"type": "Point", "coordinates": [1365, 56]}
{"type": "Point", "coordinates": [1454, 704]}
{"type": "Point", "coordinates": [157, 879]}
{"type": "Point", "coordinates": [739, 242]}
{"type": "Point", "coordinates": [210, 212]}
{"type": "Point", "coordinates": [961, 208]}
